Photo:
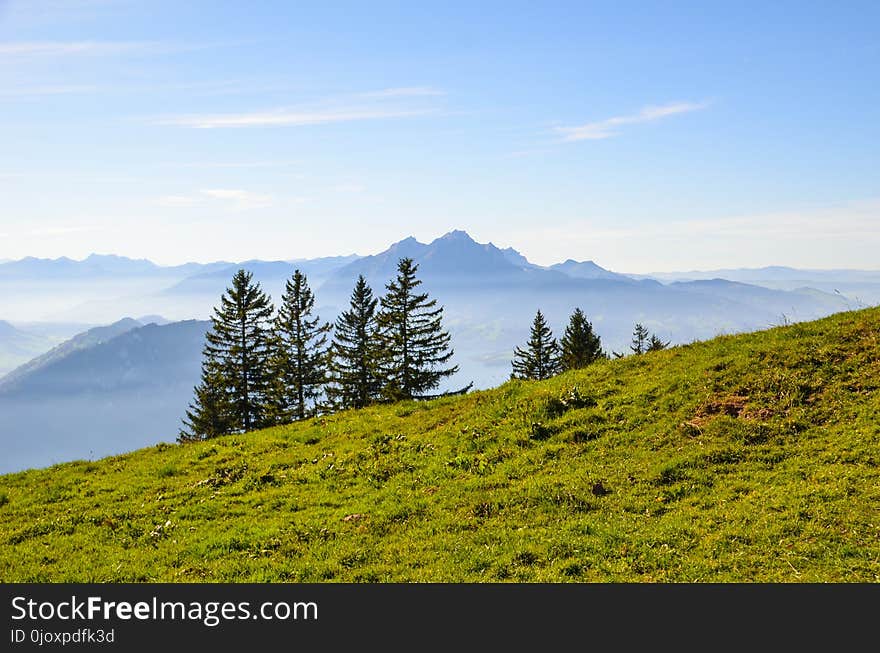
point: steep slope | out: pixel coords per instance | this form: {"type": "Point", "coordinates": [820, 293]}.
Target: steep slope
{"type": "Point", "coordinates": [113, 396]}
{"type": "Point", "coordinates": [516, 258]}
{"type": "Point", "coordinates": [146, 356]}
{"type": "Point", "coordinates": [745, 458]}
{"type": "Point", "coordinates": [85, 340]}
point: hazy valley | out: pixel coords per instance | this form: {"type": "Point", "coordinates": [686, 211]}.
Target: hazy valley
{"type": "Point", "coordinates": [113, 388]}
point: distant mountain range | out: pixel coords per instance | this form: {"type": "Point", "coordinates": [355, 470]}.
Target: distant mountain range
{"type": "Point", "coordinates": [82, 341]}
{"type": "Point", "coordinates": [100, 393]}
{"type": "Point", "coordinates": [769, 273]}
{"type": "Point", "coordinates": [270, 273]}
{"type": "Point", "coordinates": [860, 287]}
{"type": "Point", "coordinates": [121, 357]}
{"type": "Point", "coordinates": [587, 270]}
{"type": "Point", "coordinates": [124, 385]}
{"type": "Point", "coordinates": [453, 253]}
{"type": "Point", "coordinates": [453, 260]}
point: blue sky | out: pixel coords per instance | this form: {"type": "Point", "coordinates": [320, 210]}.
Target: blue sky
{"type": "Point", "coordinates": [646, 136]}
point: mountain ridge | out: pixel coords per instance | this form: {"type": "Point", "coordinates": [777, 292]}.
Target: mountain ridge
{"type": "Point", "coordinates": [85, 340]}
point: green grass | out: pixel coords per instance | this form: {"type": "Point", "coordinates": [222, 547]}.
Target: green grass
{"type": "Point", "coordinates": [745, 458]}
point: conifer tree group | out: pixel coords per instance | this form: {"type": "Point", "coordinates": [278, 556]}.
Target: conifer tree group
{"type": "Point", "coordinates": [543, 356]}
{"type": "Point", "coordinates": [580, 346]}
{"type": "Point", "coordinates": [644, 341]}
{"type": "Point", "coordinates": [261, 368]}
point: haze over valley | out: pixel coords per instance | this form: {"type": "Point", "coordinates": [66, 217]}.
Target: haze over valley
{"type": "Point", "coordinates": [101, 355]}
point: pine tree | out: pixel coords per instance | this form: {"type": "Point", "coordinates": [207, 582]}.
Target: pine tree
{"type": "Point", "coordinates": [210, 414]}
{"type": "Point", "coordinates": [640, 339]}
{"type": "Point", "coordinates": [579, 345]}
{"type": "Point", "coordinates": [656, 344]}
{"type": "Point", "coordinates": [414, 347]}
{"type": "Point", "coordinates": [354, 357]}
{"type": "Point", "coordinates": [231, 396]}
{"type": "Point", "coordinates": [299, 354]}
{"type": "Point", "coordinates": [540, 358]}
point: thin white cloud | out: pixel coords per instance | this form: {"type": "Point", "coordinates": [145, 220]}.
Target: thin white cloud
{"type": "Point", "coordinates": [609, 127]}
{"type": "Point", "coordinates": [242, 199]}
{"type": "Point", "coordinates": [349, 188]}
{"type": "Point", "coordinates": [234, 164]}
{"type": "Point", "coordinates": [287, 118]}
{"type": "Point", "coordinates": [66, 48]}
{"type": "Point", "coordinates": [40, 91]}
{"type": "Point", "coordinates": [48, 49]}
{"type": "Point", "coordinates": [205, 88]}
{"type": "Point", "coordinates": [60, 230]}
{"type": "Point", "coordinates": [841, 221]}
{"type": "Point", "coordinates": [60, 8]}
{"type": "Point", "coordinates": [405, 91]}
{"type": "Point", "coordinates": [234, 198]}
{"type": "Point", "coordinates": [178, 201]}
{"type": "Point", "coordinates": [844, 235]}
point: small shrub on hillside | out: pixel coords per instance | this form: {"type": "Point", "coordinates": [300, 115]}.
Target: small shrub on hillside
{"type": "Point", "coordinates": [573, 570]}
{"type": "Point", "coordinates": [206, 453]}
{"type": "Point", "coordinates": [673, 473]}
{"type": "Point", "coordinates": [256, 481]}
{"type": "Point", "coordinates": [583, 435]}
{"type": "Point", "coordinates": [540, 431]}
{"type": "Point", "coordinates": [224, 476]}
{"type": "Point", "coordinates": [525, 559]}
{"type": "Point", "coordinates": [570, 399]}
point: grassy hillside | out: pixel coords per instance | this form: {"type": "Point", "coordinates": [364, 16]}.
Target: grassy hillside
{"type": "Point", "coordinates": [744, 458]}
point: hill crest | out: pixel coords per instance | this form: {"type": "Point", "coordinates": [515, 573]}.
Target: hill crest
{"type": "Point", "coordinates": [744, 458]}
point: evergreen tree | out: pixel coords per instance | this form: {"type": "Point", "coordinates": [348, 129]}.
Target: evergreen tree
{"type": "Point", "coordinates": [299, 354]}
{"type": "Point", "coordinates": [656, 344]}
{"type": "Point", "coordinates": [210, 414]}
{"type": "Point", "coordinates": [231, 396]}
{"type": "Point", "coordinates": [579, 345]}
{"type": "Point", "coordinates": [414, 347]}
{"type": "Point", "coordinates": [354, 357]}
{"type": "Point", "coordinates": [540, 358]}
{"type": "Point", "coordinates": [640, 339]}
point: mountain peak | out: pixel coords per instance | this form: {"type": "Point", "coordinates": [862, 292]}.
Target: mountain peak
{"type": "Point", "coordinates": [586, 270]}
{"type": "Point", "coordinates": [408, 241]}
{"type": "Point", "coordinates": [457, 234]}
{"type": "Point", "coordinates": [115, 258]}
